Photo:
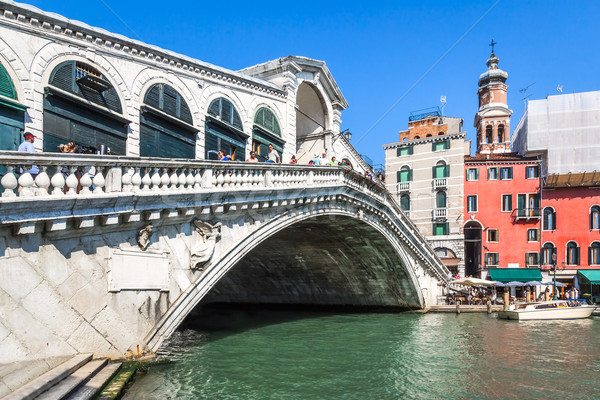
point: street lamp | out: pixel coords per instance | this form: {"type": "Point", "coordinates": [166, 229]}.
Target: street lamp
{"type": "Point", "coordinates": [347, 133]}
{"type": "Point", "coordinates": [554, 268]}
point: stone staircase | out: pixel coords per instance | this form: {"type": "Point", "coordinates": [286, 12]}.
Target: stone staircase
{"type": "Point", "coordinates": [78, 378]}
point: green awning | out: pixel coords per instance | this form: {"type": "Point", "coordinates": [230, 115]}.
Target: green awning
{"type": "Point", "coordinates": [12, 104]}
{"type": "Point", "coordinates": [591, 276]}
{"type": "Point", "coordinates": [515, 274]}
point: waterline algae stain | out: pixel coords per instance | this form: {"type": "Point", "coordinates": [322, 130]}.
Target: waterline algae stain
{"type": "Point", "coordinates": [277, 355]}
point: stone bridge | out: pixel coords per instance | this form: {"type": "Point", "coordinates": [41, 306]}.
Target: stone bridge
{"type": "Point", "coordinates": [112, 266]}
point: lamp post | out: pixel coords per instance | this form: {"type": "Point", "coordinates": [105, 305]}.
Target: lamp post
{"type": "Point", "coordinates": [554, 268]}
{"type": "Point", "coordinates": [347, 133]}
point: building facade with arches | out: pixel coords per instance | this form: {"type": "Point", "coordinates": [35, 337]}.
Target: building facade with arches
{"type": "Point", "coordinates": [65, 81]}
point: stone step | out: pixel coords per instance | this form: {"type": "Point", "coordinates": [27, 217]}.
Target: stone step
{"type": "Point", "coordinates": [72, 382]}
{"type": "Point", "coordinates": [97, 382]}
{"type": "Point", "coordinates": [44, 382]}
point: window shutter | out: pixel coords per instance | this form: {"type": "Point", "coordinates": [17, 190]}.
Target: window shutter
{"type": "Point", "coordinates": [433, 148]}
{"type": "Point", "coordinates": [592, 219]}
{"type": "Point", "coordinates": [152, 96]}
{"type": "Point", "coordinates": [215, 108]}
{"type": "Point", "coordinates": [447, 144]}
{"type": "Point", "coordinates": [434, 172]}
{"type": "Point", "coordinates": [398, 150]}
{"type": "Point", "coordinates": [447, 171]}
{"type": "Point", "coordinates": [410, 175]}
{"type": "Point", "coordinates": [590, 255]}
{"type": "Point", "coordinates": [6, 86]}
{"type": "Point", "coordinates": [410, 150]}
{"type": "Point", "coordinates": [64, 77]}
{"type": "Point", "coordinates": [399, 176]}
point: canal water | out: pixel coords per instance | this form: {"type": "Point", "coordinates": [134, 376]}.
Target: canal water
{"type": "Point", "coordinates": [307, 355]}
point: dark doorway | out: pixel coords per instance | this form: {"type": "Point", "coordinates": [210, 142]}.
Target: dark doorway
{"type": "Point", "coordinates": [473, 248]}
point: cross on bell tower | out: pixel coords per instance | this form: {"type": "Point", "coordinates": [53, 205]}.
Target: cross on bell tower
{"type": "Point", "coordinates": [492, 120]}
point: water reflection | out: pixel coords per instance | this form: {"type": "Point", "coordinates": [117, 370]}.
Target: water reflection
{"type": "Point", "coordinates": [380, 356]}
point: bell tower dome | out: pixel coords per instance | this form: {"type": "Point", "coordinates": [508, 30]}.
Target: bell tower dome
{"type": "Point", "coordinates": [492, 121]}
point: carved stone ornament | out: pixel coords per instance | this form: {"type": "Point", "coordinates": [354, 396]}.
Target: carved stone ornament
{"type": "Point", "coordinates": [204, 240]}
{"type": "Point", "coordinates": [143, 237]}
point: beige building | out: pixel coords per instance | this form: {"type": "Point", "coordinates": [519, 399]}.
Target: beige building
{"type": "Point", "coordinates": [424, 170]}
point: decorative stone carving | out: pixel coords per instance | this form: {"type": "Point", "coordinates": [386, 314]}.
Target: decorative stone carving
{"type": "Point", "coordinates": [204, 240]}
{"type": "Point", "coordinates": [143, 237]}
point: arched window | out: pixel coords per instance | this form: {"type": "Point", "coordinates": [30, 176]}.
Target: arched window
{"type": "Point", "coordinates": [572, 253]}
{"type": "Point", "coordinates": [441, 170]}
{"type": "Point", "coordinates": [82, 106]}
{"type": "Point", "coordinates": [224, 130]}
{"type": "Point", "coordinates": [166, 128]}
{"type": "Point", "coordinates": [417, 137]}
{"type": "Point", "coordinates": [429, 135]}
{"type": "Point", "coordinates": [440, 199]}
{"type": "Point", "coordinates": [12, 115]}
{"type": "Point", "coordinates": [595, 218]}
{"type": "Point", "coordinates": [594, 254]}
{"type": "Point", "coordinates": [440, 134]}
{"type": "Point", "coordinates": [501, 133]}
{"type": "Point", "coordinates": [549, 223]}
{"type": "Point", "coordinates": [547, 251]}
{"type": "Point", "coordinates": [266, 131]}
{"type": "Point", "coordinates": [488, 134]}
{"type": "Point", "coordinates": [405, 174]}
{"type": "Point", "coordinates": [405, 202]}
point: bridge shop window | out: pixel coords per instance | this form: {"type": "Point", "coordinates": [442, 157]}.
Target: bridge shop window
{"type": "Point", "coordinates": [12, 115]}
{"type": "Point", "coordinates": [472, 174]}
{"type": "Point", "coordinates": [166, 125]}
{"type": "Point", "coordinates": [506, 173]}
{"type": "Point", "coordinates": [594, 253]}
{"type": "Point", "coordinates": [572, 253]}
{"type": "Point", "coordinates": [266, 131]}
{"type": "Point", "coordinates": [441, 228]}
{"type": "Point", "coordinates": [404, 151]}
{"type": "Point", "coordinates": [224, 130]}
{"type": "Point", "coordinates": [82, 106]}
{"type": "Point", "coordinates": [547, 251]}
{"type": "Point", "coordinates": [595, 218]}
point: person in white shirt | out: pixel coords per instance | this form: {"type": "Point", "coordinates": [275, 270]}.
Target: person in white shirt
{"type": "Point", "coordinates": [273, 156]}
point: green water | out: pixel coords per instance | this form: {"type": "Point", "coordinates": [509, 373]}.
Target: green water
{"type": "Point", "coordinates": [378, 356]}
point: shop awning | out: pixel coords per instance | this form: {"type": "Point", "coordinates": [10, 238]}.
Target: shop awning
{"type": "Point", "coordinates": [590, 276]}
{"type": "Point", "coordinates": [515, 274]}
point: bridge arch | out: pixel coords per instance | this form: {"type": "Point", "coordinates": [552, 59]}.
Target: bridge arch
{"type": "Point", "coordinates": [406, 290]}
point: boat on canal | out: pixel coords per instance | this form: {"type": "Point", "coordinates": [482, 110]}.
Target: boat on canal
{"type": "Point", "coordinates": [544, 310]}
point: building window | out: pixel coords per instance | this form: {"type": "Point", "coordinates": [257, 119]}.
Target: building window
{"type": "Point", "coordinates": [595, 218]}
{"type": "Point", "coordinates": [441, 170]}
{"type": "Point", "coordinates": [405, 202]}
{"type": "Point", "coordinates": [532, 259]}
{"type": "Point", "coordinates": [594, 253]}
{"type": "Point", "coordinates": [224, 131]}
{"type": "Point", "coordinates": [440, 199]}
{"type": "Point", "coordinates": [488, 134]}
{"type": "Point", "coordinates": [266, 131]}
{"type": "Point", "coordinates": [492, 235]}
{"type": "Point", "coordinates": [572, 253]}
{"type": "Point", "coordinates": [491, 259]}
{"type": "Point", "coordinates": [528, 205]}
{"type": "Point", "coordinates": [533, 235]}
{"type": "Point", "coordinates": [547, 252]}
{"type": "Point", "coordinates": [493, 174]}
{"type": "Point", "coordinates": [441, 145]}
{"type": "Point", "coordinates": [472, 174]}
{"type": "Point", "coordinates": [507, 203]}
{"type": "Point", "coordinates": [405, 174]}
{"type": "Point", "coordinates": [404, 151]}
{"type": "Point", "coordinates": [440, 228]}
{"type": "Point", "coordinates": [549, 221]}
{"type": "Point", "coordinates": [532, 172]}
{"type": "Point", "coordinates": [506, 173]}
{"type": "Point", "coordinates": [471, 203]}
{"type": "Point", "coordinates": [500, 133]}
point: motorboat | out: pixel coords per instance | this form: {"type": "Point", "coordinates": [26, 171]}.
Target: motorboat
{"type": "Point", "coordinates": [553, 309]}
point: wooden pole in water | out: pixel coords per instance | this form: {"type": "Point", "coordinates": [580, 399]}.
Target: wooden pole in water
{"type": "Point", "coordinates": [506, 296]}
{"type": "Point", "coordinates": [489, 306]}
{"type": "Point", "coordinates": [458, 306]}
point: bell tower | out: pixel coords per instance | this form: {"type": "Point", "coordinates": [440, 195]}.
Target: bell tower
{"type": "Point", "coordinates": [492, 121]}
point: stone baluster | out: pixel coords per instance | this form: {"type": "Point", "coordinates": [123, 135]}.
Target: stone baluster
{"type": "Point", "coordinates": [190, 179]}
{"type": "Point", "coordinates": [155, 179]}
{"type": "Point", "coordinates": [245, 178]}
{"type": "Point", "coordinates": [174, 179]}
{"type": "Point", "coordinates": [42, 181]}
{"type": "Point", "coordinates": [146, 180]}
{"type": "Point", "coordinates": [99, 181]}
{"type": "Point", "coordinates": [126, 180]}
{"type": "Point", "coordinates": [182, 178]}
{"type": "Point", "coordinates": [26, 184]}
{"type": "Point", "coordinates": [164, 179]}
{"type": "Point", "coordinates": [72, 181]}
{"type": "Point", "coordinates": [136, 180]}
{"type": "Point", "coordinates": [220, 178]}
{"type": "Point", "coordinates": [197, 179]}
{"type": "Point", "coordinates": [58, 182]}
{"type": "Point", "coordinates": [238, 178]}
{"type": "Point", "coordinates": [226, 177]}
{"type": "Point", "coordinates": [310, 179]}
{"type": "Point", "coordinates": [9, 182]}
{"type": "Point", "coordinates": [86, 181]}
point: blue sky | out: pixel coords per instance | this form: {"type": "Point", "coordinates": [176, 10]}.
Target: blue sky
{"type": "Point", "coordinates": [389, 58]}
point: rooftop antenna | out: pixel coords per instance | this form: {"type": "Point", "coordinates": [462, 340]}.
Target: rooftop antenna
{"type": "Point", "coordinates": [443, 101]}
{"type": "Point", "coordinates": [559, 88]}
{"type": "Point", "coordinates": [525, 96]}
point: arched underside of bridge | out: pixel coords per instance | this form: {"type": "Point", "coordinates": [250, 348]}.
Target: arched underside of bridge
{"type": "Point", "coordinates": [325, 260]}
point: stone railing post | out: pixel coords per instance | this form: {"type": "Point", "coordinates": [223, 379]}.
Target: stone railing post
{"type": "Point", "coordinates": [268, 178]}
{"type": "Point", "coordinates": [9, 182]}
{"type": "Point", "coordinates": [113, 180]}
{"type": "Point", "coordinates": [207, 178]}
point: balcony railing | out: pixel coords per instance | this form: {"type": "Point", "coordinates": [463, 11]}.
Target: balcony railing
{"type": "Point", "coordinates": [440, 213]}
{"type": "Point", "coordinates": [439, 183]}
{"type": "Point", "coordinates": [527, 213]}
{"type": "Point", "coordinates": [403, 187]}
